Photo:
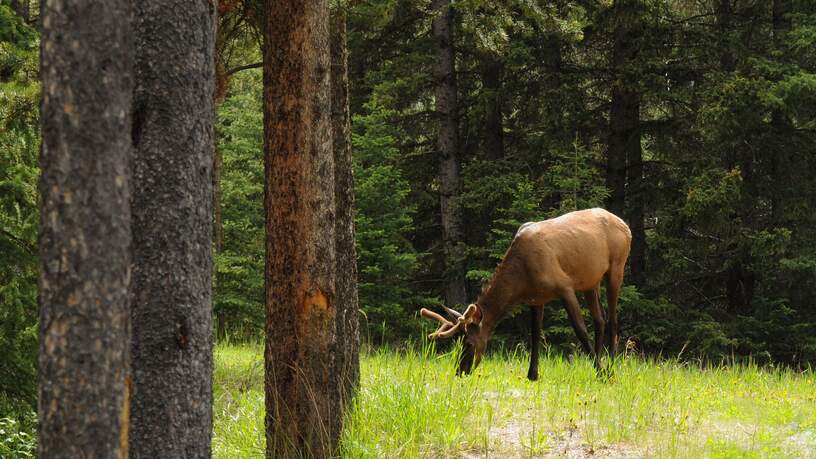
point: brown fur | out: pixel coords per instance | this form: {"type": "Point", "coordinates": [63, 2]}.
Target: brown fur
{"type": "Point", "coordinates": [548, 260]}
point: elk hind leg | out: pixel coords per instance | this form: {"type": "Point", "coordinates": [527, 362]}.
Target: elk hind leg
{"type": "Point", "coordinates": [536, 318]}
{"type": "Point", "coordinates": [573, 308]}
{"type": "Point", "coordinates": [594, 302]}
{"type": "Point", "coordinates": [614, 280]}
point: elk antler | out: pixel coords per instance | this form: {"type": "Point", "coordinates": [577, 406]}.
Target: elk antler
{"type": "Point", "coordinates": [447, 329]}
{"type": "Point", "coordinates": [452, 312]}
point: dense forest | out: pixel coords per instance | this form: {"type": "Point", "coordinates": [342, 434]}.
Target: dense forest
{"type": "Point", "coordinates": [694, 120]}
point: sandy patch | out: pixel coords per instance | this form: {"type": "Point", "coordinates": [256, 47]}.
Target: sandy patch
{"type": "Point", "coordinates": [520, 441]}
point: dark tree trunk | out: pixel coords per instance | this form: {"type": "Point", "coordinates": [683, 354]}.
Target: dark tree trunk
{"type": "Point", "coordinates": [301, 302]}
{"type": "Point", "coordinates": [553, 63]}
{"type": "Point", "coordinates": [624, 153]}
{"type": "Point", "coordinates": [782, 125]}
{"type": "Point", "coordinates": [219, 94]}
{"type": "Point", "coordinates": [448, 146]}
{"type": "Point", "coordinates": [616, 153]}
{"type": "Point", "coordinates": [171, 318]}
{"type": "Point", "coordinates": [493, 134]}
{"type": "Point", "coordinates": [739, 289]}
{"type": "Point", "coordinates": [348, 337]}
{"type": "Point", "coordinates": [22, 9]}
{"type": "Point", "coordinates": [635, 197]}
{"type": "Point", "coordinates": [218, 221]}
{"type": "Point", "coordinates": [724, 15]}
{"type": "Point", "coordinates": [84, 229]}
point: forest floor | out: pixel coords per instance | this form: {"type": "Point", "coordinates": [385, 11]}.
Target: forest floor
{"type": "Point", "coordinates": [411, 405]}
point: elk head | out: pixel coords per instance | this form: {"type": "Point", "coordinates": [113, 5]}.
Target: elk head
{"type": "Point", "coordinates": [469, 323]}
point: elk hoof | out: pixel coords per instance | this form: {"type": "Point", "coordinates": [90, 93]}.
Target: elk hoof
{"type": "Point", "coordinates": [532, 375]}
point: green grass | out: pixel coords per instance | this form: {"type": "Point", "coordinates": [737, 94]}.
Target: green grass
{"type": "Point", "coordinates": [411, 405]}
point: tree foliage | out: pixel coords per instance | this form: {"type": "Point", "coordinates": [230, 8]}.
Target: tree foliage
{"type": "Point", "coordinates": [19, 216]}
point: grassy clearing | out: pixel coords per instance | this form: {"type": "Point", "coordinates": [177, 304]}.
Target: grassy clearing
{"type": "Point", "coordinates": [412, 405]}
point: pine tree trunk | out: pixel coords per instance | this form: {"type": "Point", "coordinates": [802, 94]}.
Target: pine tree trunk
{"type": "Point", "coordinates": [620, 133]}
{"type": "Point", "coordinates": [22, 9]}
{"type": "Point", "coordinates": [624, 155]}
{"type": "Point", "coordinates": [301, 303]}
{"type": "Point", "coordinates": [84, 229]}
{"type": "Point", "coordinates": [723, 13]}
{"type": "Point", "coordinates": [553, 63]}
{"type": "Point", "coordinates": [171, 318]}
{"type": "Point", "coordinates": [635, 197]}
{"type": "Point", "coordinates": [218, 221]}
{"type": "Point", "coordinates": [493, 134]}
{"type": "Point", "coordinates": [782, 125]}
{"type": "Point", "coordinates": [448, 146]}
{"type": "Point", "coordinates": [348, 337]}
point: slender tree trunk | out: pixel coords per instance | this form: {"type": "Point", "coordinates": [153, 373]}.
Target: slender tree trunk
{"type": "Point", "coordinates": [620, 127]}
{"type": "Point", "coordinates": [348, 337]}
{"type": "Point", "coordinates": [624, 155]}
{"type": "Point", "coordinates": [219, 94]}
{"type": "Point", "coordinates": [635, 197]}
{"type": "Point", "coordinates": [218, 221]}
{"type": "Point", "coordinates": [448, 145]}
{"type": "Point", "coordinates": [493, 134]}
{"type": "Point", "coordinates": [218, 234]}
{"type": "Point", "coordinates": [22, 9]}
{"type": "Point", "coordinates": [301, 302]}
{"type": "Point", "coordinates": [171, 318]}
{"type": "Point", "coordinates": [782, 126]}
{"type": "Point", "coordinates": [724, 15]}
{"type": "Point", "coordinates": [84, 229]}
{"type": "Point", "coordinates": [620, 133]}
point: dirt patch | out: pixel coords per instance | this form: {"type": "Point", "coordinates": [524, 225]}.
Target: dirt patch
{"type": "Point", "coordinates": [804, 441]}
{"type": "Point", "coordinates": [794, 442]}
{"type": "Point", "coordinates": [510, 393]}
{"type": "Point", "coordinates": [521, 441]}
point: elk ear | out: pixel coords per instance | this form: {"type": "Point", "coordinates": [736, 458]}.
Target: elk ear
{"type": "Point", "coordinates": [473, 314]}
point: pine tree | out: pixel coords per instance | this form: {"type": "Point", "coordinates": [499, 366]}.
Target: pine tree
{"type": "Point", "coordinates": [302, 403]}
{"type": "Point", "coordinates": [171, 318]}
{"type": "Point", "coordinates": [85, 229]}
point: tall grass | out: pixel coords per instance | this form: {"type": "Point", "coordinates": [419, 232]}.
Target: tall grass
{"type": "Point", "coordinates": [411, 404]}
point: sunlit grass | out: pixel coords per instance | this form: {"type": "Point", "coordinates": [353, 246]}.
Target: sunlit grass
{"type": "Point", "coordinates": [238, 408]}
{"type": "Point", "coordinates": [411, 404]}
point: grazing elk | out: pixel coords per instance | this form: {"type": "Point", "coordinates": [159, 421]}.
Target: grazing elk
{"type": "Point", "coordinates": [548, 260]}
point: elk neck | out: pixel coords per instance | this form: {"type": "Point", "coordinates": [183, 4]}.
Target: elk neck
{"type": "Point", "coordinates": [501, 293]}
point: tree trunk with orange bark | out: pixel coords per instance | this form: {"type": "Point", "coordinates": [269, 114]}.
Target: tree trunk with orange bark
{"type": "Point", "coordinates": [301, 303]}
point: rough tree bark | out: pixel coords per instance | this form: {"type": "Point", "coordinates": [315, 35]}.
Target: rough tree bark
{"type": "Point", "coordinates": [171, 318]}
{"type": "Point", "coordinates": [84, 228]}
{"type": "Point", "coordinates": [448, 146]}
{"type": "Point", "coordinates": [624, 154]}
{"type": "Point", "coordinates": [301, 303]}
{"type": "Point", "coordinates": [348, 337]}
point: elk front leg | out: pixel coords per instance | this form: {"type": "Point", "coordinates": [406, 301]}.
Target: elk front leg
{"type": "Point", "coordinates": [573, 308]}
{"type": "Point", "coordinates": [536, 317]}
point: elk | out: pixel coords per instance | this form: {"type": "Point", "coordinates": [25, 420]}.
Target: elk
{"type": "Point", "coordinates": [550, 259]}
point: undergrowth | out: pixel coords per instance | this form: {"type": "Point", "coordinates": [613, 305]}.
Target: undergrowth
{"type": "Point", "coordinates": [411, 404]}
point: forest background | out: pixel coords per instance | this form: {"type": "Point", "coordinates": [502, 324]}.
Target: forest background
{"type": "Point", "coordinates": [693, 120]}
